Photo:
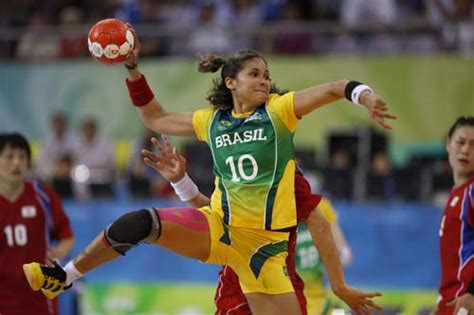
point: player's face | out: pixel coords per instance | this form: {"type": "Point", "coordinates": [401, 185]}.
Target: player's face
{"type": "Point", "coordinates": [13, 165]}
{"type": "Point", "coordinates": [461, 152]}
{"type": "Point", "coordinates": [252, 85]}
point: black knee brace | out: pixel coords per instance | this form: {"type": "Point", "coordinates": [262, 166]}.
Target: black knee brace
{"type": "Point", "coordinates": [142, 226]}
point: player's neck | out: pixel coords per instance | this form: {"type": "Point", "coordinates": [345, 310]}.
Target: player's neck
{"type": "Point", "coordinates": [461, 180]}
{"type": "Point", "coordinates": [241, 106]}
{"type": "Point", "coordinates": [11, 192]}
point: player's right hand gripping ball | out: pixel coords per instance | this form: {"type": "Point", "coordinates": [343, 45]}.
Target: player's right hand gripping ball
{"type": "Point", "coordinates": [110, 41]}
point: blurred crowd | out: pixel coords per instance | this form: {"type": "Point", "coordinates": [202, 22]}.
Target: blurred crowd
{"type": "Point", "coordinates": [83, 164]}
{"type": "Point", "coordinates": [32, 30]}
{"type": "Point", "coordinates": [357, 166]}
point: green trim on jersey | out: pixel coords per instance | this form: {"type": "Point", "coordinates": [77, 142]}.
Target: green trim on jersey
{"type": "Point", "coordinates": [225, 238]}
{"type": "Point", "coordinates": [264, 253]}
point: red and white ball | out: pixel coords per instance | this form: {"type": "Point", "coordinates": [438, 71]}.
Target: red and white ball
{"type": "Point", "coordinates": [110, 41]}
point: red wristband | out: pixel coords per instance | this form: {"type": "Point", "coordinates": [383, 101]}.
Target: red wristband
{"type": "Point", "coordinates": [139, 91]}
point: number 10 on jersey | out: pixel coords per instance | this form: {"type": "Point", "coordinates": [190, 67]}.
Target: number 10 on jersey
{"type": "Point", "coordinates": [239, 172]}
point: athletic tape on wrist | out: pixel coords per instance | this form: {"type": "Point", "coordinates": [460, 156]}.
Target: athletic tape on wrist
{"type": "Point", "coordinates": [185, 188]}
{"type": "Point", "coordinates": [139, 91]}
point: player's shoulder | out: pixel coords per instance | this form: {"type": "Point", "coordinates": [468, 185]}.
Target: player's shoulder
{"type": "Point", "coordinates": [206, 111]}
{"type": "Point", "coordinates": [41, 188]}
{"type": "Point", "coordinates": [275, 98]}
{"type": "Point", "coordinates": [203, 116]}
{"type": "Point", "coordinates": [470, 185]}
{"type": "Point", "coordinates": [470, 191]}
{"type": "Point", "coordinates": [466, 188]}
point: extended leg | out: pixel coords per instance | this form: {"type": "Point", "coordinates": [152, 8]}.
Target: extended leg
{"type": "Point", "coordinates": [184, 231]}
{"type": "Point", "coordinates": [142, 226]}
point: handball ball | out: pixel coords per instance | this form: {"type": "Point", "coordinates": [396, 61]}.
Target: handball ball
{"type": "Point", "coordinates": [110, 41]}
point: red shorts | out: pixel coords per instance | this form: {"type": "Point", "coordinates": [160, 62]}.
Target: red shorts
{"type": "Point", "coordinates": [229, 298]}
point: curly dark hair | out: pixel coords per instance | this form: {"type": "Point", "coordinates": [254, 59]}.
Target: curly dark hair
{"type": "Point", "coordinates": [463, 121]}
{"type": "Point", "coordinates": [219, 95]}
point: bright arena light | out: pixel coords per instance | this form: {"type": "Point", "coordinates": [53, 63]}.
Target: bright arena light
{"type": "Point", "coordinates": [80, 173]}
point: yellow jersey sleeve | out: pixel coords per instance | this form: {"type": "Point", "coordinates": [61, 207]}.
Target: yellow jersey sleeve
{"type": "Point", "coordinates": [327, 210]}
{"type": "Point", "coordinates": [201, 120]}
{"type": "Point", "coordinates": [284, 106]}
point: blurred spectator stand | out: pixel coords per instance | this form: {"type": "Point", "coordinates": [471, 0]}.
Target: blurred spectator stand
{"type": "Point", "coordinates": [94, 169]}
{"type": "Point", "coordinates": [58, 145]}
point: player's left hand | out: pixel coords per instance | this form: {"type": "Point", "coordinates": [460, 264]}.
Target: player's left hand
{"type": "Point", "coordinates": [378, 109]}
{"type": "Point", "coordinates": [360, 302]}
{"type": "Point", "coordinates": [463, 305]}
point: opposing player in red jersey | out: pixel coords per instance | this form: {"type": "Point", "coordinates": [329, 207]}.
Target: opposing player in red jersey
{"type": "Point", "coordinates": [457, 225]}
{"type": "Point", "coordinates": [31, 216]}
{"type": "Point", "coordinates": [229, 298]}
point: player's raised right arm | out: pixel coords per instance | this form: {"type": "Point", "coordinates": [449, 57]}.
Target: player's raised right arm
{"type": "Point", "coordinates": [153, 115]}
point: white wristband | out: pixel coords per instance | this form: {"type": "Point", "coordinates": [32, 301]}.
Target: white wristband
{"type": "Point", "coordinates": [357, 91]}
{"type": "Point", "coordinates": [185, 188]}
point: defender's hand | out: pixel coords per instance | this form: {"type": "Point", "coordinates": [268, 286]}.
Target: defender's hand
{"type": "Point", "coordinates": [360, 302]}
{"type": "Point", "coordinates": [169, 163]}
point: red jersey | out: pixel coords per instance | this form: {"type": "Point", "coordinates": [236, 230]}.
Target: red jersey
{"type": "Point", "coordinates": [229, 298]}
{"type": "Point", "coordinates": [27, 225]}
{"type": "Point", "coordinates": [456, 245]}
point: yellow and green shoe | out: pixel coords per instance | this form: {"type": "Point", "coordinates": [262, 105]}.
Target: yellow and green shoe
{"type": "Point", "coordinates": [51, 280]}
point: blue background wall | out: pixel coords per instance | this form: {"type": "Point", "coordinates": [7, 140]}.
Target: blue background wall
{"type": "Point", "coordinates": [395, 245]}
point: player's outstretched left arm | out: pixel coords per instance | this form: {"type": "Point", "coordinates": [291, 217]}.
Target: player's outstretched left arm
{"type": "Point", "coordinates": [312, 98]}
{"type": "Point", "coordinates": [360, 302]}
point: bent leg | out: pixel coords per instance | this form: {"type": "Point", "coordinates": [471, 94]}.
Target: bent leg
{"type": "Point", "coordinates": [277, 304]}
{"type": "Point", "coordinates": [185, 231]}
